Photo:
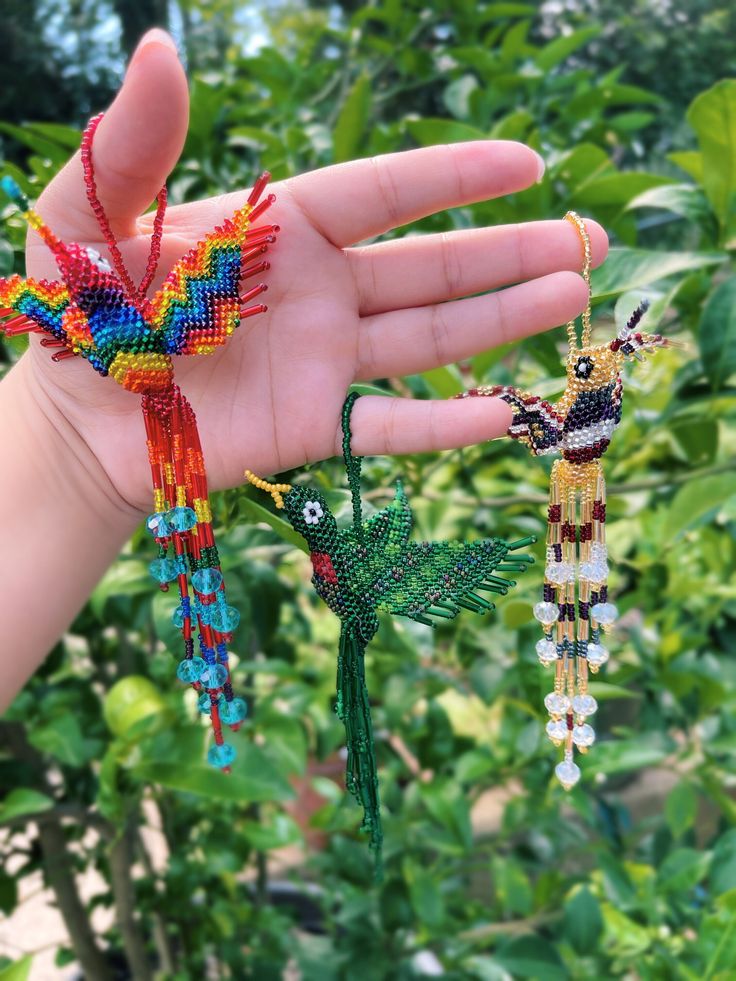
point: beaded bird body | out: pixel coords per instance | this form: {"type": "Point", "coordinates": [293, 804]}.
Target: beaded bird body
{"type": "Point", "coordinates": [98, 314]}
{"type": "Point", "coordinates": [579, 427]}
{"type": "Point", "coordinates": [372, 567]}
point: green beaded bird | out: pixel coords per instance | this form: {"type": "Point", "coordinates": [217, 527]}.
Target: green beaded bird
{"type": "Point", "coordinates": [371, 567]}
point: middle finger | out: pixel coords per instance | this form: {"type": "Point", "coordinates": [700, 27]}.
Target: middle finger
{"type": "Point", "coordinates": [424, 269]}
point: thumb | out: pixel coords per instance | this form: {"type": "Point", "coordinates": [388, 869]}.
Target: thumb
{"type": "Point", "coordinates": [135, 147]}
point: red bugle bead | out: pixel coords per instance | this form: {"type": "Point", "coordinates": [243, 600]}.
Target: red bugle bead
{"type": "Point", "coordinates": [251, 311]}
{"type": "Point", "coordinates": [263, 206]}
{"type": "Point", "coordinates": [256, 291]}
{"type": "Point", "coordinates": [258, 187]}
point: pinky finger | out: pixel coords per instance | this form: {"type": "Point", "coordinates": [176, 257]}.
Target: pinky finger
{"type": "Point", "coordinates": [394, 426]}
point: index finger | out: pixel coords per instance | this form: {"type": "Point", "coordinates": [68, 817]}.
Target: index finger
{"type": "Point", "coordinates": [353, 201]}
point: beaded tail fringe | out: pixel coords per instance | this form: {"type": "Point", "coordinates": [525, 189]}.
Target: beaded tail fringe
{"type": "Point", "coordinates": [574, 606]}
{"type": "Point", "coordinates": [182, 527]}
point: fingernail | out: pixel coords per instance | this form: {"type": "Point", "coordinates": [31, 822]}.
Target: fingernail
{"type": "Point", "coordinates": [541, 166]}
{"type": "Point", "coordinates": [155, 36]}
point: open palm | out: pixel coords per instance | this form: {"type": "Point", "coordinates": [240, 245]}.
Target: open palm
{"type": "Point", "coordinates": [270, 400]}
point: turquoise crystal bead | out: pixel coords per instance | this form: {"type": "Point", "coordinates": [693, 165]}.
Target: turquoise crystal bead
{"type": "Point", "coordinates": [225, 618]}
{"type": "Point", "coordinates": [177, 617]}
{"type": "Point", "coordinates": [216, 676]}
{"type": "Point", "coordinates": [158, 525]}
{"type": "Point", "coordinates": [163, 570]}
{"type": "Point", "coordinates": [190, 669]}
{"type": "Point", "coordinates": [221, 755]}
{"type": "Point", "coordinates": [207, 581]}
{"type": "Point", "coordinates": [234, 711]}
{"type": "Point", "coordinates": [181, 519]}
{"type": "Point", "coordinates": [204, 612]}
{"type": "Point", "coordinates": [204, 702]}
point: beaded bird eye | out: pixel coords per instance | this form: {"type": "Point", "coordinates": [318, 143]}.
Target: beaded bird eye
{"type": "Point", "coordinates": [96, 312]}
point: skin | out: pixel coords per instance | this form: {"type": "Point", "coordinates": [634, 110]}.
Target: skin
{"type": "Point", "coordinates": [75, 480]}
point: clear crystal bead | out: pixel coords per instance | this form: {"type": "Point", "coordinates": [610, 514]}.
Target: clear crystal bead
{"type": "Point", "coordinates": [559, 572]}
{"type": "Point", "coordinates": [556, 704]}
{"type": "Point", "coordinates": [597, 655]}
{"type": "Point", "coordinates": [584, 705]}
{"type": "Point", "coordinates": [568, 773]}
{"type": "Point", "coordinates": [583, 735]}
{"type": "Point", "coordinates": [546, 651]}
{"type": "Point", "coordinates": [604, 613]}
{"type": "Point", "coordinates": [546, 613]}
{"type": "Point", "coordinates": [594, 571]}
{"type": "Point", "coordinates": [556, 729]}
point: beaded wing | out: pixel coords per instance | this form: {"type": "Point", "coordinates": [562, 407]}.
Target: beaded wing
{"type": "Point", "coordinates": [96, 312]}
{"type": "Point", "coordinates": [371, 567]}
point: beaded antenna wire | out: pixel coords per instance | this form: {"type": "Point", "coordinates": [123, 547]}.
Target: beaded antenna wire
{"type": "Point", "coordinates": [372, 566]}
{"type": "Point", "coordinates": [579, 427]}
{"type": "Point", "coordinates": [97, 312]}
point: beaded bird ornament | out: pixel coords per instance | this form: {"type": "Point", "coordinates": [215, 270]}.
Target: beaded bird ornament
{"type": "Point", "coordinates": [96, 312]}
{"type": "Point", "coordinates": [371, 567]}
{"type": "Point", "coordinates": [579, 427]}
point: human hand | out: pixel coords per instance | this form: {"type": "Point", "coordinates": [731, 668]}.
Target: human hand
{"type": "Point", "coordinates": [270, 400]}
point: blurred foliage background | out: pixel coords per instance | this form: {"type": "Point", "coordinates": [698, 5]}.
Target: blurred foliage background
{"type": "Point", "coordinates": [492, 872]}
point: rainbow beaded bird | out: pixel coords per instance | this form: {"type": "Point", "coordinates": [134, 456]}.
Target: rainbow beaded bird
{"type": "Point", "coordinates": [373, 567]}
{"type": "Point", "coordinates": [96, 312]}
{"type": "Point", "coordinates": [579, 427]}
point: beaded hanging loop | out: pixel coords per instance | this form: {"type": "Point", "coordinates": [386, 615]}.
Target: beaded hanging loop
{"type": "Point", "coordinates": [575, 610]}
{"type": "Point", "coordinates": [96, 312]}
{"type": "Point", "coordinates": [371, 567]}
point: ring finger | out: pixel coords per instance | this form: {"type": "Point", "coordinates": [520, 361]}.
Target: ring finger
{"type": "Point", "coordinates": [408, 341]}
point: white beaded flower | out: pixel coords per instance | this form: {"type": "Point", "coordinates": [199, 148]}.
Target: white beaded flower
{"type": "Point", "coordinates": [312, 512]}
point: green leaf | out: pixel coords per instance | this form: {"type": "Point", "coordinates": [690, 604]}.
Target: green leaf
{"type": "Point", "coordinates": [616, 189]}
{"type": "Point", "coordinates": [717, 333]}
{"type": "Point", "coordinates": [18, 970]}
{"type": "Point", "coordinates": [257, 513]}
{"type": "Point", "coordinates": [444, 382]}
{"type": "Point", "coordinates": [7, 258]}
{"type": "Point", "coordinates": [712, 115]}
{"type": "Point", "coordinates": [126, 577]}
{"type": "Point", "coordinates": [512, 886]}
{"type": "Point", "coordinates": [627, 269]}
{"type": "Point", "coordinates": [252, 779]}
{"type": "Point", "coordinates": [690, 161]}
{"type": "Point", "coordinates": [424, 892]}
{"type": "Point", "coordinates": [427, 132]}
{"type": "Point", "coordinates": [280, 830]}
{"type": "Point", "coordinates": [723, 869]}
{"type": "Point", "coordinates": [531, 957]}
{"type": "Point", "coordinates": [62, 737]}
{"type": "Point", "coordinates": [562, 47]}
{"type": "Point", "coordinates": [583, 921]}
{"type": "Point", "coordinates": [683, 869]}
{"type": "Point", "coordinates": [698, 498]}
{"type": "Point", "coordinates": [353, 120]}
{"type": "Point", "coordinates": [449, 806]}
{"type": "Point", "coordinates": [8, 892]}
{"type": "Point", "coordinates": [681, 199]}
{"type": "Point", "coordinates": [603, 690]}
{"type": "Point", "coordinates": [22, 801]}
{"type": "Point", "coordinates": [697, 437]}
{"type": "Point", "coordinates": [680, 808]}
{"type": "Point", "coordinates": [624, 755]}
